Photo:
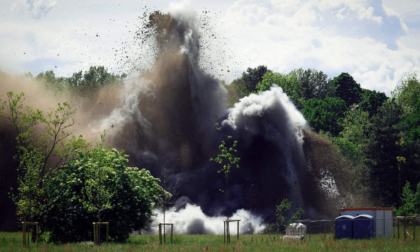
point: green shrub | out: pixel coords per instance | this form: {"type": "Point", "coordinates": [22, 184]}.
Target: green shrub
{"type": "Point", "coordinates": [78, 194]}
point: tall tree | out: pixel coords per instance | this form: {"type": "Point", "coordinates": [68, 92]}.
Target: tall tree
{"type": "Point", "coordinates": [169, 195]}
{"type": "Point", "coordinates": [40, 137]}
{"type": "Point", "coordinates": [313, 83]}
{"type": "Point", "coordinates": [246, 84]}
{"type": "Point", "coordinates": [288, 82]}
{"type": "Point", "coordinates": [325, 115]}
{"type": "Point", "coordinates": [371, 100]}
{"type": "Point", "coordinates": [346, 88]}
{"type": "Point", "coordinates": [382, 152]}
{"type": "Point", "coordinates": [226, 159]}
{"type": "Point", "coordinates": [407, 93]}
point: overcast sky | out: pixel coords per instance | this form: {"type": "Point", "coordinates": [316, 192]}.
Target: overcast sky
{"type": "Point", "coordinates": [376, 41]}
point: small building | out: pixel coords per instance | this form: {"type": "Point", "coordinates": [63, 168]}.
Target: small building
{"type": "Point", "coordinates": [344, 227]}
{"type": "Point", "coordinates": [382, 219]}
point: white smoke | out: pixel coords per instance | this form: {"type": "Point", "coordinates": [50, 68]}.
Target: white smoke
{"type": "Point", "coordinates": [272, 115]}
{"type": "Point", "coordinates": [192, 220]}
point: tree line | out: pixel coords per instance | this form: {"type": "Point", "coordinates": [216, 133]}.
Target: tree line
{"type": "Point", "coordinates": [379, 134]}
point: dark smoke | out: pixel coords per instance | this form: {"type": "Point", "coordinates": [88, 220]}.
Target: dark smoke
{"type": "Point", "coordinates": [168, 114]}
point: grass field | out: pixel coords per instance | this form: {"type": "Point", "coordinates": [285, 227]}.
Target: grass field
{"type": "Point", "coordinates": [13, 242]}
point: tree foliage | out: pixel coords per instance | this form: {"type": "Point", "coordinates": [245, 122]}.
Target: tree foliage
{"type": "Point", "coordinates": [80, 83]}
{"type": "Point", "coordinates": [346, 88]}
{"type": "Point", "coordinates": [125, 196]}
{"type": "Point", "coordinates": [371, 100]}
{"type": "Point", "coordinates": [246, 84]}
{"type": "Point", "coordinates": [288, 82]}
{"type": "Point", "coordinates": [312, 83]}
{"type": "Point", "coordinates": [410, 201]}
{"type": "Point", "coordinates": [382, 152]}
{"type": "Point", "coordinates": [325, 115]}
{"type": "Point", "coordinates": [41, 138]}
{"type": "Point", "coordinates": [407, 94]}
{"type": "Point", "coordinates": [281, 210]}
{"type": "Point", "coordinates": [226, 159]}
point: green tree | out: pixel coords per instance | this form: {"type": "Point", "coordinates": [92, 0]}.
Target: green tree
{"type": "Point", "coordinates": [52, 82]}
{"type": "Point", "coordinates": [169, 194]}
{"type": "Point", "coordinates": [407, 93]}
{"type": "Point", "coordinates": [325, 115]}
{"type": "Point", "coordinates": [226, 159]}
{"type": "Point", "coordinates": [246, 84]}
{"type": "Point", "coordinates": [312, 83]}
{"type": "Point", "coordinates": [288, 82]}
{"type": "Point", "coordinates": [346, 88]}
{"type": "Point", "coordinates": [371, 100]}
{"type": "Point", "coordinates": [382, 152]}
{"type": "Point", "coordinates": [356, 125]}
{"type": "Point", "coordinates": [39, 137]}
{"type": "Point", "coordinates": [410, 201]}
{"type": "Point", "coordinates": [281, 210]}
{"type": "Point", "coordinates": [129, 196]}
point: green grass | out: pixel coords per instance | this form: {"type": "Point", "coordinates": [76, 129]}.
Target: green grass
{"type": "Point", "coordinates": [185, 243]}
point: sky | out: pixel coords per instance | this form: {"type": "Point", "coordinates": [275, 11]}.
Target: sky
{"type": "Point", "coordinates": [376, 41]}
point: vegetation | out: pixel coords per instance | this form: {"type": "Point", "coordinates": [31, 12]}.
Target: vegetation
{"type": "Point", "coordinates": [281, 210]}
{"type": "Point", "coordinates": [36, 152]}
{"type": "Point", "coordinates": [379, 135]}
{"type": "Point", "coordinates": [226, 159]}
{"type": "Point", "coordinates": [65, 184]}
{"type": "Point", "coordinates": [186, 243]}
{"type": "Point", "coordinates": [99, 187]}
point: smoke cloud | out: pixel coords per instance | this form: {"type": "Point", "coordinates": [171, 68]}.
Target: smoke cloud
{"type": "Point", "coordinates": [166, 115]}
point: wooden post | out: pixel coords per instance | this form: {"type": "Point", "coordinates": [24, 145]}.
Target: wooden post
{"type": "Point", "coordinates": [160, 233]}
{"type": "Point", "coordinates": [37, 234]}
{"type": "Point", "coordinates": [237, 232]}
{"type": "Point", "coordinates": [404, 230]}
{"type": "Point", "coordinates": [24, 234]}
{"type": "Point", "coordinates": [398, 224]}
{"type": "Point", "coordinates": [24, 225]}
{"type": "Point", "coordinates": [107, 234]}
{"type": "Point", "coordinates": [224, 232]}
{"type": "Point", "coordinates": [172, 232]}
{"type": "Point", "coordinates": [414, 232]}
{"type": "Point", "coordinates": [96, 226]}
{"type": "Point", "coordinates": [94, 232]}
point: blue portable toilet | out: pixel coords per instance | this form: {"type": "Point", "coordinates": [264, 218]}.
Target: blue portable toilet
{"type": "Point", "coordinates": [363, 227]}
{"type": "Point", "coordinates": [344, 227]}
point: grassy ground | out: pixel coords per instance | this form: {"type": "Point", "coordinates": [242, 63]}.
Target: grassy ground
{"type": "Point", "coordinates": [13, 242]}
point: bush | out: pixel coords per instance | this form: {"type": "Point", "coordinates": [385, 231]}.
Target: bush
{"type": "Point", "coordinates": [78, 193]}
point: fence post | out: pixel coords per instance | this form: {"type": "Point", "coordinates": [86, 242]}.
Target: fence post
{"type": "Point", "coordinates": [24, 234]}
{"type": "Point", "coordinates": [172, 232]}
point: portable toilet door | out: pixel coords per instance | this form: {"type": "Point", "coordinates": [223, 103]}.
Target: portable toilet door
{"type": "Point", "coordinates": [363, 227]}
{"type": "Point", "coordinates": [344, 227]}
